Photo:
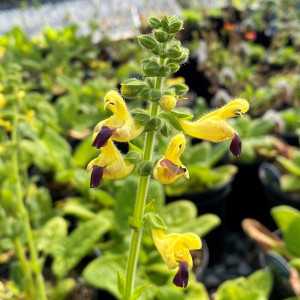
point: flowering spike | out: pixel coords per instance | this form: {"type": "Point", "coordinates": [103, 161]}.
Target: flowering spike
{"type": "Point", "coordinates": [103, 135]}
{"type": "Point", "coordinates": [236, 145]}
{"type": "Point", "coordinates": [182, 276]}
{"type": "Point", "coordinates": [96, 176]}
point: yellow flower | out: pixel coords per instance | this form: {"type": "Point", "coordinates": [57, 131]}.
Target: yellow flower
{"type": "Point", "coordinates": [30, 115]}
{"type": "Point", "coordinates": [2, 52]}
{"type": "Point", "coordinates": [172, 81]}
{"type": "Point", "coordinates": [2, 100]}
{"type": "Point", "coordinates": [169, 168]}
{"type": "Point", "coordinates": [213, 127]}
{"type": "Point", "coordinates": [109, 164]}
{"type": "Point", "coordinates": [174, 249]}
{"type": "Point", "coordinates": [6, 124]}
{"type": "Point", "coordinates": [121, 124]}
{"type": "Point", "coordinates": [21, 94]}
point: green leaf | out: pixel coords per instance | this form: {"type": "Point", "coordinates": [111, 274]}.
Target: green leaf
{"type": "Point", "coordinates": [154, 221]}
{"type": "Point", "coordinates": [261, 282]}
{"type": "Point", "coordinates": [284, 215]}
{"type": "Point", "coordinates": [291, 237]}
{"type": "Point", "coordinates": [290, 183]}
{"type": "Point", "coordinates": [74, 247]}
{"type": "Point", "coordinates": [260, 127]}
{"type": "Point", "coordinates": [295, 263]}
{"type": "Point", "coordinates": [102, 273]}
{"type": "Point", "coordinates": [75, 208]}
{"type": "Point", "coordinates": [139, 290]}
{"type": "Point", "coordinates": [204, 224]}
{"type": "Point", "coordinates": [197, 291]}
{"type": "Point", "coordinates": [179, 212]}
{"type": "Point", "coordinates": [170, 293]}
{"type": "Point", "coordinates": [289, 165]}
{"type": "Point", "coordinates": [121, 284]}
{"type": "Point", "coordinates": [125, 199]}
{"type": "Point", "coordinates": [181, 114]}
{"type": "Point", "coordinates": [156, 192]}
{"type": "Point", "coordinates": [84, 153]}
{"type": "Point", "coordinates": [52, 233]}
{"type": "Point", "coordinates": [63, 289]}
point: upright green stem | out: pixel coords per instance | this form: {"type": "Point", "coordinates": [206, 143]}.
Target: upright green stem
{"type": "Point", "coordinates": [22, 212]}
{"type": "Point", "coordinates": [140, 203]}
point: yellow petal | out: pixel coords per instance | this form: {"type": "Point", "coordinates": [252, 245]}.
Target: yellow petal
{"type": "Point", "coordinates": [165, 173]}
{"type": "Point", "coordinates": [175, 247]}
{"type": "Point", "coordinates": [113, 161]}
{"type": "Point", "coordinates": [213, 127]}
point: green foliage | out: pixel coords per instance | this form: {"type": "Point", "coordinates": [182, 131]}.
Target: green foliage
{"type": "Point", "coordinates": [68, 253]}
{"type": "Point", "coordinates": [102, 273]}
{"type": "Point", "coordinates": [256, 287]}
{"type": "Point", "coordinates": [181, 216]}
{"type": "Point", "coordinates": [290, 182]}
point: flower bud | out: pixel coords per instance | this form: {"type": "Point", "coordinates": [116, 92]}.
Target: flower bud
{"type": "Point", "coordinates": [132, 87]}
{"type": "Point", "coordinates": [173, 67]}
{"type": "Point", "coordinates": [161, 35]}
{"type": "Point", "coordinates": [179, 88]}
{"type": "Point", "coordinates": [154, 124]}
{"type": "Point", "coordinates": [175, 25]}
{"type": "Point", "coordinates": [166, 129]}
{"type": "Point", "coordinates": [141, 118]}
{"type": "Point", "coordinates": [133, 157]}
{"type": "Point", "coordinates": [145, 169]}
{"type": "Point", "coordinates": [154, 22]}
{"type": "Point", "coordinates": [149, 43]}
{"type": "Point", "coordinates": [181, 59]}
{"type": "Point", "coordinates": [154, 95]}
{"type": "Point", "coordinates": [165, 22]}
{"type": "Point", "coordinates": [151, 68]}
{"type": "Point", "coordinates": [167, 102]}
{"type": "Point", "coordinates": [174, 50]}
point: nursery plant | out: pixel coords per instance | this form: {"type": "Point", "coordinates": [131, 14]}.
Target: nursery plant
{"type": "Point", "coordinates": [158, 117]}
{"type": "Point", "coordinates": [287, 219]}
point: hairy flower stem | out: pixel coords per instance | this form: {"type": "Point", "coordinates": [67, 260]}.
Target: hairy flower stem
{"type": "Point", "coordinates": [140, 202]}
{"type": "Point", "coordinates": [23, 216]}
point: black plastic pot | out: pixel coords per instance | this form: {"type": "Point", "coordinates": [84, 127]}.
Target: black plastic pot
{"type": "Point", "coordinates": [280, 270]}
{"type": "Point", "coordinates": [247, 199]}
{"type": "Point", "coordinates": [274, 195]}
{"type": "Point", "coordinates": [291, 138]}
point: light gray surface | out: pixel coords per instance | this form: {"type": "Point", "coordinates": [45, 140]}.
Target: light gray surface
{"type": "Point", "coordinates": [117, 18]}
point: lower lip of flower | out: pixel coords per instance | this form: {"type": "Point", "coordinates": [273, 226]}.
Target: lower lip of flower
{"type": "Point", "coordinates": [96, 176]}
{"type": "Point", "coordinates": [182, 276]}
{"type": "Point", "coordinates": [103, 136]}
{"type": "Point", "coordinates": [236, 145]}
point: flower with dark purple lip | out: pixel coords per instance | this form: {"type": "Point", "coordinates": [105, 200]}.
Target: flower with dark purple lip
{"type": "Point", "coordinates": [102, 137]}
{"type": "Point", "coordinates": [109, 164]}
{"type": "Point", "coordinates": [175, 251]}
{"type": "Point", "coordinates": [96, 176]}
{"type": "Point", "coordinates": [169, 168]}
{"type": "Point", "coordinates": [214, 127]}
{"type": "Point", "coordinates": [181, 278]}
{"type": "Point", "coordinates": [236, 145]}
{"type": "Point", "coordinates": [121, 121]}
